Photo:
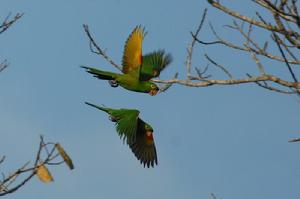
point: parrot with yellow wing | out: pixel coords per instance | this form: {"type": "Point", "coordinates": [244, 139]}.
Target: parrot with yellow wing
{"type": "Point", "coordinates": [135, 132]}
{"type": "Point", "coordinates": [137, 69]}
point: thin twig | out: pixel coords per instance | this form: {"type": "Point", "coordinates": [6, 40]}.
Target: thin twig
{"type": "Point", "coordinates": [7, 23]}
{"type": "Point", "coordinates": [167, 86]}
{"type": "Point", "coordinates": [237, 15]}
{"type": "Point", "coordinates": [191, 46]}
{"type": "Point", "coordinates": [258, 63]}
{"type": "Point", "coordinates": [294, 140]}
{"type": "Point", "coordinates": [258, 50]}
{"type": "Point", "coordinates": [3, 65]}
{"type": "Point", "coordinates": [2, 159]}
{"type": "Point", "coordinates": [219, 66]}
{"type": "Point", "coordinates": [283, 55]}
{"type": "Point", "coordinates": [265, 85]}
{"type": "Point", "coordinates": [99, 50]}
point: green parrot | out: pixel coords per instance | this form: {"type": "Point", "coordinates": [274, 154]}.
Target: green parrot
{"type": "Point", "coordinates": [137, 70]}
{"type": "Point", "coordinates": [137, 133]}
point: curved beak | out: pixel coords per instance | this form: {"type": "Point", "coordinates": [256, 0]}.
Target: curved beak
{"type": "Point", "coordinates": [153, 92]}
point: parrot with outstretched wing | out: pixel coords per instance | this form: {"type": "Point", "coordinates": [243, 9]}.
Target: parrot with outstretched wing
{"type": "Point", "coordinates": [137, 69]}
{"type": "Point", "coordinates": [135, 132]}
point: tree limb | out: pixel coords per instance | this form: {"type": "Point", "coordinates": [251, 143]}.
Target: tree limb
{"type": "Point", "coordinates": [9, 22]}
{"type": "Point", "coordinates": [99, 50]}
{"type": "Point", "coordinates": [12, 182]}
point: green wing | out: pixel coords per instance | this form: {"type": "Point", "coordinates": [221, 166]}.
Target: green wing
{"type": "Point", "coordinates": [126, 123]}
{"type": "Point", "coordinates": [153, 64]}
{"type": "Point", "coordinates": [143, 146]}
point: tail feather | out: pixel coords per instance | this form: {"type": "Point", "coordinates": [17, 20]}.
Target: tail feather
{"type": "Point", "coordinates": [98, 107]}
{"type": "Point", "coordinates": [100, 74]}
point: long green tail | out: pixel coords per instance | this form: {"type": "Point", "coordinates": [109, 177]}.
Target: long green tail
{"type": "Point", "coordinates": [100, 74]}
{"type": "Point", "coordinates": [107, 110]}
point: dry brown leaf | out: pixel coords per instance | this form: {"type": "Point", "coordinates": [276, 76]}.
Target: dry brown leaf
{"type": "Point", "coordinates": [44, 174]}
{"type": "Point", "coordinates": [64, 155]}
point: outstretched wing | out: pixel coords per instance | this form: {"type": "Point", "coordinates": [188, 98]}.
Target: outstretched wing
{"type": "Point", "coordinates": [132, 55]}
{"type": "Point", "coordinates": [126, 123]}
{"type": "Point", "coordinates": [144, 147]}
{"type": "Point", "coordinates": [153, 64]}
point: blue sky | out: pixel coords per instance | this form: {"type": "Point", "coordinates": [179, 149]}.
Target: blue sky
{"type": "Point", "coordinates": [230, 141]}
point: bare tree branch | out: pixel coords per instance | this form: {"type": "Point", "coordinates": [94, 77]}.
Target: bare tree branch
{"type": "Point", "coordinates": [21, 176]}
{"type": "Point", "coordinates": [18, 178]}
{"type": "Point", "coordinates": [223, 68]}
{"type": "Point", "coordinates": [269, 27]}
{"type": "Point", "coordinates": [210, 82]}
{"type": "Point", "coordinates": [294, 140]}
{"type": "Point", "coordinates": [98, 50]}
{"type": "Point", "coordinates": [257, 50]}
{"type": "Point", "coordinates": [9, 22]}
{"type": "Point", "coordinates": [3, 65]}
{"type": "Point", "coordinates": [192, 44]}
{"type": "Point", "coordinates": [281, 12]}
{"type": "Point", "coordinates": [265, 85]}
{"type": "Point", "coordinates": [283, 55]}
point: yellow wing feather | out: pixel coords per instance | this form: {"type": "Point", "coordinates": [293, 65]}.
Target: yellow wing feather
{"type": "Point", "coordinates": [132, 56]}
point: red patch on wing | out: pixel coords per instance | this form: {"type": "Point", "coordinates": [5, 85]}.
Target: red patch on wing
{"type": "Point", "coordinates": [141, 59]}
{"type": "Point", "coordinates": [149, 136]}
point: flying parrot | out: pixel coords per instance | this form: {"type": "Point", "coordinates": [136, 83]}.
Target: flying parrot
{"type": "Point", "coordinates": [135, 132]}
{"type": "Point", "coordinates": [137, 70]}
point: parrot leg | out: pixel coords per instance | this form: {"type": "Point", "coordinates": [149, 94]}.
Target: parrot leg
{"type": "Point", "coordinates": [113, 83]}
{"type": "Point", "coordinates": [112, 118]}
